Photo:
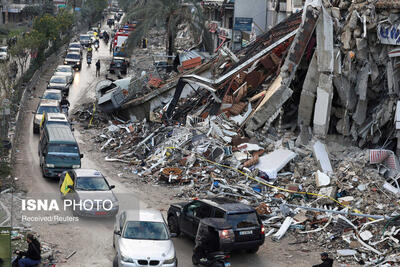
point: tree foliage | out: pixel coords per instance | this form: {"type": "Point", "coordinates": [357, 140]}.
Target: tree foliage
{"type": "Point", "coordinates": [168, 14]}
{"type": "Point", "coordinates": [92, 10]}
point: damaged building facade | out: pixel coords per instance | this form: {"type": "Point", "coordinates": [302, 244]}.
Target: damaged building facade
{"type": "Point", "coordinates": [302, 123]}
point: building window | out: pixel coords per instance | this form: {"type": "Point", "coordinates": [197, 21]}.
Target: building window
{"type": "Point", "coordinates": [230, 23]}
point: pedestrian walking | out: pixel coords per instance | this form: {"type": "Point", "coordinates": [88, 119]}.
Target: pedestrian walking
{"type": "Point", "coordinates": [98, 68]}
{"type": "Point", "coordinates": [326, 261]}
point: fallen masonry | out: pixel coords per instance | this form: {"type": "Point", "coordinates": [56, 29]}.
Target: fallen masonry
{"type": "Point", "coordinates": [301, 124]}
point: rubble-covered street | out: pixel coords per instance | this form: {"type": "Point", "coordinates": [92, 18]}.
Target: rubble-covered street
{"type": "Point", "coordinates": [298, 118]}
{"type": "Point", "coordinates": [300, 124]}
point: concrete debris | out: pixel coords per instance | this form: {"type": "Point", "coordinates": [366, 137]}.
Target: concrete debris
{"type": "Point", "coordinates": [322, 157]}
{"type": "Point", "coordinates": [302, 124]}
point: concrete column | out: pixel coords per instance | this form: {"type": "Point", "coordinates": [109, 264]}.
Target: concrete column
{"type": "Point", "coordinates": [307, 98]}
{"type": "Point", "coordinates": [322, 110]}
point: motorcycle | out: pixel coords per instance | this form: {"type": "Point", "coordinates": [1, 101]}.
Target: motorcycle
{"type": "Point", "coordinates": [212, 239]}
{"type": "Point", "coordinates": [96, 46]}
{"type": "Point", "coordinates": [89, 60]}
{"type": "Point", "coordinates": [65, 109]}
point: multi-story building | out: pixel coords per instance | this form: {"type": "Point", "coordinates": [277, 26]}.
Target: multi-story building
{"type": "Point", "coordinates": [238, 22]}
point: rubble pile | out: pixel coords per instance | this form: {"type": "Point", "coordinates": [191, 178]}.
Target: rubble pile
{"type": "Point", "coordinates": [254, 125]}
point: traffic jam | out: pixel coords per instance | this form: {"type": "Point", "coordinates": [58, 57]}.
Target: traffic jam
{"type": "Point", "coordinates": [141, 237]}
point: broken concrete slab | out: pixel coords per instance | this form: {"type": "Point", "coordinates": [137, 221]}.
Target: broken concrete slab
{"type": "Point", "coordinates": [321, 155]}
{"type": "Point", "coordinates": [346, 92]}
{"type": "Point", "coordinates": [324, 49]}
{"type": "Point", "coordinates": [282, 230]}
{"type": "Point", "coordinates": [361, 112]}
{"type": "Point", "coordinates": [273, 100]}
{"type": "Point", "coordinates": [322, 111]}
{"type": "Point", "coordinates": [346, 252]}
{"type": "Point", "coordinates": [275, 161]}
{"type": "Point", "coordinates": [362, 82]}
{"type": "Point", "coordinates": [322, 179]}
{"type": "Point", "coordinates": [308, 93]}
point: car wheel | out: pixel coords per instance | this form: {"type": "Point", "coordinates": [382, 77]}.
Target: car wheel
{"type": "Point", "coordinates": [253, 250]}
{"type": "Point", "coordinates": [173, 225]}
{"type": "Point", "coordinates": [195, 260]}
{"type": "Point", "coordinates": [43, 174]}
{"type": "Point", "coordinates": [115, 261]}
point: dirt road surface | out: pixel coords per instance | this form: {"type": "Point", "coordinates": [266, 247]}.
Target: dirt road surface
{"type": "Point", "coordinates": [92, 238]}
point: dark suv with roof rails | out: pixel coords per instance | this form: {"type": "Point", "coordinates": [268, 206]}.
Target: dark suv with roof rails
{"type": "Point", "coordinates": [247, 226]}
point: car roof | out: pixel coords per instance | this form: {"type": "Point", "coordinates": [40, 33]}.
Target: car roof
{"type": "Point", "coordinates": [145, 215]}
{"type": "Point", "coordinates": [75, 53]}
{"type": "Point", "coordinates": [87, 173]}
{"type": "Point", "coordinates": [60, 133]}
{"type": "Point", "coordinates": [228, 205]}
{"type": "Point", "coordinates": [49, 102]}
{"type": "Point", "coordinates": [57, 76]}
{"type": "Point", "coordinates": [64, 66]}
{"type": "Point", "coordinates": [84, 34]}
{"type": "Point", "coordinates": [122, 58]}
{"type": "Point", "coordinates": [56, 117]}
{"type": "Point", "coordinates": [53, 91]}
{"type": "Point", "coordinates": [74, 43]}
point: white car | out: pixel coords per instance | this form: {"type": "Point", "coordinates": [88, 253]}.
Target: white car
{"type": "Point", "coordinates": [141, 238]}
{"type": "Point", "coordinates": [65, 70]}
{"type": "Point", "coordinates": [4, 53]}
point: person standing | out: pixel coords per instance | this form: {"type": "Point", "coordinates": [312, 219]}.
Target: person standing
{"type": "Point", "coordinates": [98, 68]}
{"type": "Point", "coordinates": [326, 261]}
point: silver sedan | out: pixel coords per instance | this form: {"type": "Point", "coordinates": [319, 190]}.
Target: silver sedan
{"type": "Point", "coordinates": [88, 193]}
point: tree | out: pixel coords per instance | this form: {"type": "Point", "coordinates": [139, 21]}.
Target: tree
{"type": "Point", "coordinates": [46, 24]}
{"type": "Point", "coordinates": [92, 10]}
{"type": "Point", "coordinates": [168, 14]}
{"type": "Point", "coordinates": [29, 43]}
{"type": "Point", "coordinates": [65, 20]}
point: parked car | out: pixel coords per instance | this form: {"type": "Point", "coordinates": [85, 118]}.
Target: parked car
{"type": "Point", "coordinates": [75, 47]}
{"type": "Point", "coordinates": [90, 186]}
{"type": "Point", "coordinates": [54, 118]}
{"type": "Point", "coordinates": [4, 53]}
{"type": "Point", "coordinates": [45, 105]}
{"type": "Point", "coordinates": [52, 94]}
{"type": "Point", "coordinates": [58, 150]}
{"type": "Point", "coordinates": [60, 82]}
{"type": "Point", "coordinates": [119, 64]}
{"type": "Point", "coordinates": [85, 40]}
{"type": "Point", "coordinates": [247, 227]}
{"type": "Point", "coordinates": [141, 238]}
{"type": "Point", "coordinates": [65, 70]}
{"type": "Point", "coordinates": [73, 59]}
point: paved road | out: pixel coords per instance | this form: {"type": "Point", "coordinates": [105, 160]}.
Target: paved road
{"type": "Point", "coordinates": [91, 238]}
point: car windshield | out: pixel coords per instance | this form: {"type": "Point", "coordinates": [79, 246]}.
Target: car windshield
{"type": "Point", "coordinates": [73, 56]}
{"type": "Point", "coordinates": [63, 148]}
{"type": "Point", "coordinates": [59, 79]}
{"type": "Point", "coordinates": [54, 96]}
{"type": "Point", "coordinates": [63, 69]}
{"type": "Point", "coordinates": [48, 109]}
{"type": "Point", "coordinates": [3, 49]}
{"type": "Point", "coordinates": [74, 46]}
{"type": "Point", "coordinates": [243, 220]}
{"type": "Point", "coordinates": [84, 37]}
{"type": "Point", "coordinates": [58, 122]}
{"type": "Point", "coordinates": [91, 184]}
{"type": "Point", "coordinates": [119, 61]}
{"type": "Point", "coordinates": [145, 231]}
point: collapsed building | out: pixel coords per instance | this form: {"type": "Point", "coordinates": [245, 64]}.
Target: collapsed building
{"type": "Point", "coordinates": [256, 125]}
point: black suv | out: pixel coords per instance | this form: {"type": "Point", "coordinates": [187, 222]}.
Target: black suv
{"type": "Point", "coordinates": [247, 226]}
